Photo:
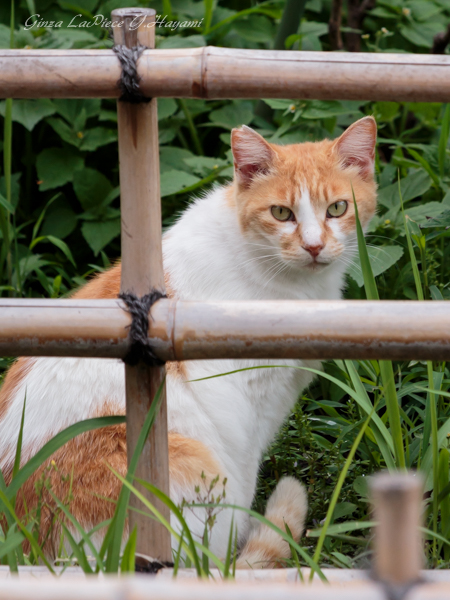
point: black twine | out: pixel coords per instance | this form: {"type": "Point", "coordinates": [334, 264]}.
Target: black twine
{"type": "Point", "coordinates": [129, 79]}
{"type": "Point", "coordinates": [140, 348]}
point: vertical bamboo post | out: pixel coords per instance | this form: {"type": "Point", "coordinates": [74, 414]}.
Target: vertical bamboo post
{"type": "Point", "coordinates": [142, 270]}
{"type": "Point", "coordinates": [397, 502]}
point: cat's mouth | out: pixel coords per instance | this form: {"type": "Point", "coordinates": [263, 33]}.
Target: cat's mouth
{"type": "Point", "coordinates": [316, 265]}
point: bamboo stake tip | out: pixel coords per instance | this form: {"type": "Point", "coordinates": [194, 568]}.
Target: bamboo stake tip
{"type": "Point", "coordinates": [393, 483]}
{"type": "Point", "coordinates": [133, 12]}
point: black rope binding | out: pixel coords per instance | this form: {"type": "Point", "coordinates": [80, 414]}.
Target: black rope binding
{"type": "Point", "coordinates": [140, 347]}
{"type": "Point", "coordinates": [129, 79]}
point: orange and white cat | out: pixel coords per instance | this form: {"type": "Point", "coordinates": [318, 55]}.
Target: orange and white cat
{"type": "Point", "coordinates": [284, 229]}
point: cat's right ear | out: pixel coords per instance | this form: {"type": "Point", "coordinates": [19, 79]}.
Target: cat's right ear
{"type": "Point", "coordinates": [251, 154]}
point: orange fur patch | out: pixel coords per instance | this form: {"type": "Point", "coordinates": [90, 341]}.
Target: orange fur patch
{"type": "Point", "coordinates": [78, 475]}
{"type": "Point", "coordinates": [103, 286]}
{"type": "Point", "coordinates": [188, 459]}
{"type": "Point", "coordinates": [177, 369]}
{"type": "Point", "coordinates": [14, 377]}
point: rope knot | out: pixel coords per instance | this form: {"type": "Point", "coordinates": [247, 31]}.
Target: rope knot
{"type": "Point", "coordinates": [140, 347]}
{"type": "Point", "coordinates": [129, 79]}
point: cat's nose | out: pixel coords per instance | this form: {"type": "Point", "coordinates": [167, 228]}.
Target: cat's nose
{"type": "Point", "coordinates": [314, 250]}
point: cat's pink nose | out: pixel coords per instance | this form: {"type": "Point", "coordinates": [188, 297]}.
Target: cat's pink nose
{"type": "Point", "coordinates": [314, 250]}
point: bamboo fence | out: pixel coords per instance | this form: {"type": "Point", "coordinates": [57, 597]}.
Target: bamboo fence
{"type": "Point", "coordinates": [188, 330]}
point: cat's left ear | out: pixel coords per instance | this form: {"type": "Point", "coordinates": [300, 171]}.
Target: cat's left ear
{"type": "Point", "coordinates": [251, 153]}
{"type": "Point", "coordinates": [356, 146]}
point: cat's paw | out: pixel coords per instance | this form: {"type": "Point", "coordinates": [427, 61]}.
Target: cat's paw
{"type": "Point", "coordinates": [265, 547]}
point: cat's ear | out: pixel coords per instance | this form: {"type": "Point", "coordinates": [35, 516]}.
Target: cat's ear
{"type": "Point", "coordinates": [356, 146]}
{"type": "Point", "coordinates": [251, 154]}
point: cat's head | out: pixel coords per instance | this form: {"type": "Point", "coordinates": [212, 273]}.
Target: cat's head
{"type": "Point", "coordinates": [297, 200]}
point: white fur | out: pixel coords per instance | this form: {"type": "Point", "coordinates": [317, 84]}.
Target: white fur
{"type": "Point", "coordinates": [287, 505]}
{"type": "Point", "coordinates": [312, 230]}
{"type": "Point", "coordinates": [236, 417]}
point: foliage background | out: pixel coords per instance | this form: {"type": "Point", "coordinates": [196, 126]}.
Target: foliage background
{"type": "Point", "coordinates": [63, 220]}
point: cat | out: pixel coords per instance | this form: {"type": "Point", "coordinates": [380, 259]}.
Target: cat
{"type": "Point", "coordinates": [283, 229]}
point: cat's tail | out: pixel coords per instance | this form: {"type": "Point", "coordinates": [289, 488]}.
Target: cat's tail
{"type": "Point", "coordinates": [265, 548]}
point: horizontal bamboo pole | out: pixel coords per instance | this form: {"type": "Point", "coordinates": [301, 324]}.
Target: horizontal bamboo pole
{"type": "Point", "coordinates": [210, 330]}
{"type": "Point", "coordinates": [211, 72]}
{"type": "Point", "coordinates": [145, 588]}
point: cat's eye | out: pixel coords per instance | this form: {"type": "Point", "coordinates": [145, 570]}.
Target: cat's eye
{"type": "Point", "coordinates": [337, 209]}
{"type": "Point", "coordinates": [281, 213]}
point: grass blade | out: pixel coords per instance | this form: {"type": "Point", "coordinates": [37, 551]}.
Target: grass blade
{"type": "Point", "coordinates": [337, 491]}
{"type": "Point", "coordinates": [128, 563]}
{"type": "Point", "coordinates": [444, 459]}
{"type": "Point", "coordinates": [34, 545]}
{"type": "Point", "coordinates": [54, 444]}
{"type": "Point", "coordinates": [386, 369]}
{"type": "Point", "coordinates": [431, 399]}
{"type": "Point", "coordinates": [443, 140]}
{"type": "Point", "coordinates": [12, 542]}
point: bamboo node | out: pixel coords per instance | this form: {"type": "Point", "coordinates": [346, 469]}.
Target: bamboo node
{"type": "Point", "coordinates": [140, 349]}
{"type": "Point", "coordinates": [130, 78]}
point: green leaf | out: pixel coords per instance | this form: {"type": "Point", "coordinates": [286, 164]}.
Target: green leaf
{"type": "Point", "coordinates": [412, 186]}
{"type": "Point", "coordinates": [15, 188]}
{"type": "Point", "coordinates": [323, 109]}
{"type": "Point", "coordinates": [435, 293]}
{"type": "Point", "coordinates": [255, 28]}
{"type": "Point", "coordinates": [361, 486]}
{"type": "Point", "coordinates": [423, 212]}
{"type": "Point", "coordinates": [66, 132]}
{"type": "Point", "coordinates": [56, 167]}
{"type": "Point", "coordinates": [442, 220]}
{"type": "Point", "coordinates": [91, 187]}
{"type": "Point", "coordinates": [313, 28]}
{"type": "Point", "coordinates": [96, 137]}
{"type": "Point", "coordinates": [279, 104]}
{"type": "Point", "coordinates": [343, 509]}
{"type": "Point", "coordinates": [60, 220]}
{"type": "Point", "coordinates": [423, 9]}
{"type": "Point", "coordinates": [174, 181]}
{"type": "Point", "coordinates": [425, 164]}
{"type": "Point", "coordinates": [202, 165]}
{"type": "Point", "coordinates": [56, 242]}
{"type": "Point", "coordinates": [166, 108]}
{"type": "Point", "coordinates": [420, 34]}
{"type": "Point", "coordinates": [70, 109]}
{"type": "Point", "coordinates": [29, 112]}
{"type": "Point", "coordinates": [233, 115]}
{"type": "Point", "coordinates": [381, 258]}
{"type": "Point", "coordinates": [99, 234]}
{"type": "Point", "coordinates": [9, 207]}
{"type": "Point", "coordinates": [172, 157]}
{"type": "Point", "coordinates": [180, 41]}
{"type": "Point", "coordinates": [386, 111]}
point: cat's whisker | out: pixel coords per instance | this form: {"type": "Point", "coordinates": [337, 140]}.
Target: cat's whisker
{"type": "Point", "coordinates": [262, 260]}
{"type": "Point", "coordinates": [284, 266]}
